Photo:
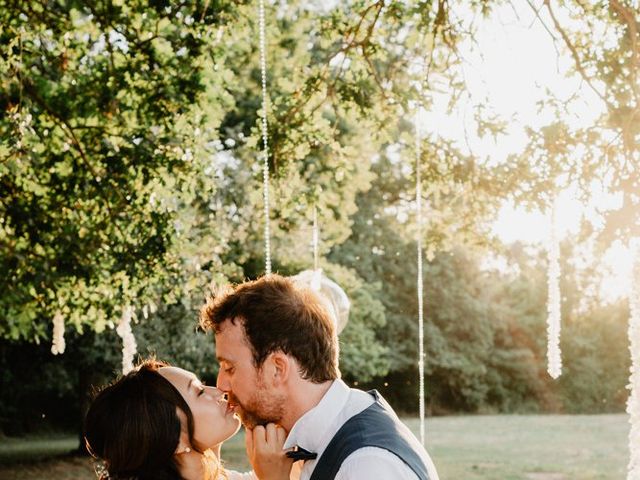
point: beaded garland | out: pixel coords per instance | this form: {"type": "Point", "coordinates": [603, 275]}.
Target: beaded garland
{"type": "Point", "coordinates": [554, 358]}
{"type": "Point", "coordinates": [129, 346]}
{"type": "Point", "coordinates": [633, 403]}
{"type": "Point", "coordinates": [58, 344]}
{"type": "Point", "coordinates": [420, 282]}
{"type": "Point", "coordinates": [265, 145]}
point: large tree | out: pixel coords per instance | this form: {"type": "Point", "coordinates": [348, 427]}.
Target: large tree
{"type": "Point", "coordinates": [130, 171]}
{"type": "Point", "coordinates": [96, 153]}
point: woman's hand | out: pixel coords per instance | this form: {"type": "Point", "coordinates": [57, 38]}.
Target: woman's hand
{"type": "Point", "coordinates": [264, 449]}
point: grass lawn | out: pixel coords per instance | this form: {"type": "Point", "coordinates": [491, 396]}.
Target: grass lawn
{"type": "Point", "coordinates": [529, 447]}
{"type": "Point", "coordinates": [500, 447]}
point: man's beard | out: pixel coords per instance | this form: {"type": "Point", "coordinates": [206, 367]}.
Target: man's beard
{"type": "Point", "coordinates": [260, 409]}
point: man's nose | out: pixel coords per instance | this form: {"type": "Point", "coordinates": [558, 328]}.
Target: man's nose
{"type": "Point", "coordinates": [222, 383]}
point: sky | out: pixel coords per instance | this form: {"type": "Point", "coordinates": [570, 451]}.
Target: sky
{"type": "Point", "coordinates": [516, 63]}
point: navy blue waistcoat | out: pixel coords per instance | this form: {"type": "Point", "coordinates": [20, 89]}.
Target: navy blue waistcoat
{"type": "Point", "coordinates": [376, 426]}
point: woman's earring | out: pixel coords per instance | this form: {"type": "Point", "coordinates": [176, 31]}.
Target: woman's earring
{"type": "Point", "coordinates": [186, 450]}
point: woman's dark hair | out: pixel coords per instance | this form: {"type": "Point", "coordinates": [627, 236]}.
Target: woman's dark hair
{"type": "Point", "coordinates": [132, 424]}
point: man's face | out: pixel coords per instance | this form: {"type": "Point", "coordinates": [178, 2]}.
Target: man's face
{"type": "Point", "coordinates": [250, 394]}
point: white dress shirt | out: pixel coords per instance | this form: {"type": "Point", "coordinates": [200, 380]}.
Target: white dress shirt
{"type": "Point", "coordinates": [315, 429]}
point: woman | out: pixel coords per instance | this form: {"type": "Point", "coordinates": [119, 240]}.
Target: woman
{"type": "Point", "coordinates": [160, 422]}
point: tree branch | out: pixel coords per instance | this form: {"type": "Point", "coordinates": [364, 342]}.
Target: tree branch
{"type": "Point", "coordinates": [68, 130]}
{"type": "Point", "coordinates": [325, 72]}
{"type": "Point", "coordinates": [630, 21]}
{"type": "Point", "coordinates": [574, 53]}
{"type": "Point", "coordinates": [537, 13]}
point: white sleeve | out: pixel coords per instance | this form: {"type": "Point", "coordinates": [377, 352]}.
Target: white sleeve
{"type": "Point", "coordinates": [372, 463]}
{"type": "Point", "coordinates": [233, 475]}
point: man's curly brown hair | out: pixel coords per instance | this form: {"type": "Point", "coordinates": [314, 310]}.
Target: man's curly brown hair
{"type": "Point", "coordinates": [278, 315]}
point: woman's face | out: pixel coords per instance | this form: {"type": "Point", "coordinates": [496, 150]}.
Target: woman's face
{"type": "Point", "coordinates": [213, 421]}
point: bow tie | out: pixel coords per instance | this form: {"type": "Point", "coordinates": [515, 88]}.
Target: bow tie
{"type": "Point", "coordinates": [300, 453]}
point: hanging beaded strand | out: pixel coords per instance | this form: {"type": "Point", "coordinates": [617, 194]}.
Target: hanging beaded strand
{"type": "Point", "coordinates": [633, 403]}
{"type": "Point", "coordinates": [129, 346]}
{"type": "Point", "coordinates": [58, 344]}
{"type": "Point", "coordinates": [20, 69]}
{"type": "Point", "coordinates": [20, 116]}
{"type": "Point", "coordinates": [420, 283]}
{"type": "Point", "coordinates": [316, 237]}
{"type": "Point", "coordinates": [265, 145]}
{"type": "Point", "coordinates": [554, 358]}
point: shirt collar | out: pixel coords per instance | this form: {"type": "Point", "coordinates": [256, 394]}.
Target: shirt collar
{"type": "Point", "coordinates": [309, 431]}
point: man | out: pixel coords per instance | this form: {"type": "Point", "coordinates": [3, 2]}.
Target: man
{"type": "Point", "coordinates": [278, 354]}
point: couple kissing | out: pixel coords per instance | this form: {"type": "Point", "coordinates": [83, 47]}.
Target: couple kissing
{"type": "Point", "coordinates": [277, 348]}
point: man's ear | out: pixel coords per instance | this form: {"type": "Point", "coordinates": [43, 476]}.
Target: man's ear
{"type": "Point", "coordinates": [280, 366]}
